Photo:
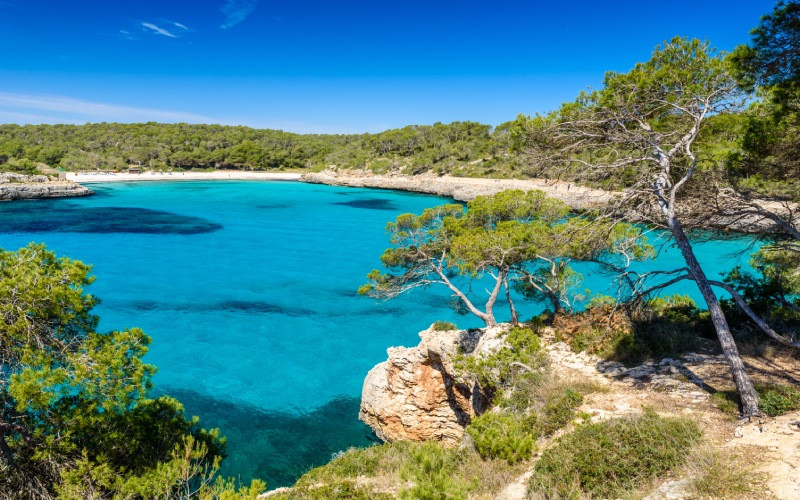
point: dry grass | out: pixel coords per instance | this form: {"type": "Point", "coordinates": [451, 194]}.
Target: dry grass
{"type": "Point", "coordinates": [726, 473]}
{"type": "Point", "coordinates": [408, 470]}
{"type": "Point", "coordinates": [613, 458]}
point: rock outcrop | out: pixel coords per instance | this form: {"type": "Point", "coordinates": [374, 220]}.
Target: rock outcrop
{"type": "Point", "coordinates": [22, 187]}
{"type": "Point", "coordinates": [416, 395]}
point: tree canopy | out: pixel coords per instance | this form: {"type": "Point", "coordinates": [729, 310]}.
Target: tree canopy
{"type": "Point", "coordinates": [467, 148]}
{"type": "Point", "coordinates": [515, 239]}
{"type": "Point", "coordinates": [76, 416]}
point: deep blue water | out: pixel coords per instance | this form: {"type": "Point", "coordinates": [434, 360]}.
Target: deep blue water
{"type": "Point", "coordinates": [249, 292]}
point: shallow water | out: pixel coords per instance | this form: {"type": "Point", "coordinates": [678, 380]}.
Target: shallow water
{"type": "Point", "coordinates": [248, 290]}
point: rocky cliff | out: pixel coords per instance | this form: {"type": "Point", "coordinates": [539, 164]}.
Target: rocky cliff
{"type": "Point", "coordinates": [20, 187]}
{"type": "Point", "coordinates": [416, 394]}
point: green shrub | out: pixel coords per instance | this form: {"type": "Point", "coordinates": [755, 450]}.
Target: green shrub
{"type": "Point", "coordinates": [444, 326]}
{"type": "Point", "coordinates": [412, 470]}
{"type": "Point", "coordinates": [510, 431]}
{"type": "Point", "coordinates": [662, 327]}
{"type": "Point", "coordinates": [774, 399]}
{"type": "Point", "coordinates": [20, 166]}
{"type": "Point", "coordinates": [431, 468]}
{"type": "Point", "coordinates": [350, 464]}
{"type": "Point", "coordinates": [611, 458]}
{"type": "Point", "coordinates": [338, 490]}
{"type": "Point", "coordinates": [504, 435]}
{"type": "Point", "coordinates": [778, 399]}
{"type": "Point", "coordinates": [559, 410]}
{"type": "Point", "coordinates": [523, 357]}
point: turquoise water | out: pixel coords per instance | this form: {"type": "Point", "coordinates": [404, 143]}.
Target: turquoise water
{"type": "Point", "coordinates": [248, 290]}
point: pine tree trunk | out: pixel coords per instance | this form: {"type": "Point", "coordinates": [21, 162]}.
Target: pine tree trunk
{"type": "Point", "coordinates": [514, 317]}
{"type": "Point", "coordinates": [747, 393]}
{"type": "Point", "coordinates": [489, 319]}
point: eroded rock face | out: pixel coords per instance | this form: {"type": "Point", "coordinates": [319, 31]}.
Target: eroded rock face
{"type": "Point", "coordinates": [19, 187]}
{"type": "Point", "coordinates": [416, 395]}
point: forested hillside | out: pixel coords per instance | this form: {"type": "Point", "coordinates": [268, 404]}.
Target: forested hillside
{"type": "Point", "coordinates": [464, 148]}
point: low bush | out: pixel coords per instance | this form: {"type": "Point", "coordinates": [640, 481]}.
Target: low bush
{"type": "Point", "coordinates": [353, 463]}
{"type": "Point", "coordinates": [337, 490]}
{"type": "Point", "coordinates": [522, 358]}
{"type": "Point", "coordinates": [431, 469]}
{"type": "Point", "coordinates": [504, 435]}
{"type": "Point", "coordinates": [444, 326]}
{"type": "Point", "coordinates": [778, 399]}
{"type": "Point", "coordinates": [524, 415]}
{"type": "Point", "coordinates": [663, 327]}
{"type": "Point", "coordinates": [774, 399]}
{"type": "Point", "coordinates": [609, 459]}
{"type": "Point", "coordinates": [529, 402]}
{"type": "Point", "coordinates": [407, 470]}
{"type": "Point", "coordinates": [559, 410]}
{"type": "Point", "coordinates": [20, 166]}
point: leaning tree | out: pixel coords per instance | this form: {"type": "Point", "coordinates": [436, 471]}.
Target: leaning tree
{"type": "Point", "coordinates": [641, 129]}
{"type": "Point", "coordinates": [512, 240]}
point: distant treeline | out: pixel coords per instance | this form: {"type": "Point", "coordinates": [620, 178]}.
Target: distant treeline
{"type": "Point", "coordinates": [463, 148]}
{"type": "Point", "coordinates": [748, 144]}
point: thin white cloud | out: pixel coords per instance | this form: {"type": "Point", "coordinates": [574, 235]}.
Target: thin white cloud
{"type": "Point", "coordinates": [50, 109]}
{"type": "Point", "coordinates": [23, 118]}
{"type": "Point", "coordinates": [236, 11]}
{"type": "Point", "coordinates": [18, 107]}
{"type": "Point", "coordinates": [127, 35]}
{"type": "Point", "coordinates": [157, 30]}
{"type": "Point", "coordinates": [181, 26]}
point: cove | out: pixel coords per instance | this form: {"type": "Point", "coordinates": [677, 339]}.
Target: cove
{"type": "Point", "coordinates": [248, 290]}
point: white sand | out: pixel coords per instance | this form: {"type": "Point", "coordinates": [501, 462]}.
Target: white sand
{"type": "Point", "coordinates": [84, 178]}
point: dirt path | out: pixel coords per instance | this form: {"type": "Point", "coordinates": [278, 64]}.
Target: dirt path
{"type": "Point", "coordinates": [684, 387]}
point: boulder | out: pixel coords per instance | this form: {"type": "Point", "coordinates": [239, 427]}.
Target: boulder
{"type": "Point", "coordinates": [416, 395]}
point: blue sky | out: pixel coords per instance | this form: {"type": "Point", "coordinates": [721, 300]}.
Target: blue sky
{"type": "Point", "coordinates": [332, 67]}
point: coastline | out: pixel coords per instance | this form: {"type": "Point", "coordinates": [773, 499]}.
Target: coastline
{"type": "Point", "coordinates": [463, 188]}
{"type": "Point", "coordinates": [458, 188]}
{"type": "Point", "coordinates": [29, 187]}
{"type": "Point", "coordinates": [86, 178]}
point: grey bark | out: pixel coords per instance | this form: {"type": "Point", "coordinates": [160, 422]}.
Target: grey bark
{"type": "Point", "coordinates": [747, 393]}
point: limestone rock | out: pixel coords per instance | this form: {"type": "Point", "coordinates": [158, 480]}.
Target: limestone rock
{"type": "Point", "coordinates": [416, 395]}
{"type": "Point", "coordinates": [19, 187]}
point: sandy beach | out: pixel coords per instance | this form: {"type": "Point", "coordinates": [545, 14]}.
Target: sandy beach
{"type": "Point", "coordinates": [84, 177]}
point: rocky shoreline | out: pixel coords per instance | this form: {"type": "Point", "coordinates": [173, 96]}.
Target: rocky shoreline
{"type": "Point", "coordinates": [28, 187]}
{"type": "Point", "coordinates": [463, 188]}
{"type": "Point", "coordinates": [416, 395]}
{"type": "Point", "coordinates": [578, 198]}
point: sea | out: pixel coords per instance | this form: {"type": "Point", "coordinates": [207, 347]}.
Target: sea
{"type": "Point", "coordinates": [248, 290]}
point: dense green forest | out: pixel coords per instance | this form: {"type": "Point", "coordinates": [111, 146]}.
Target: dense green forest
{"type": "Point", "coordinates": [454, 148]}
{"type": "Point", "coordinates": [744, 142]}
